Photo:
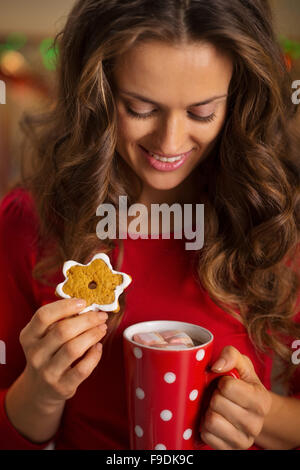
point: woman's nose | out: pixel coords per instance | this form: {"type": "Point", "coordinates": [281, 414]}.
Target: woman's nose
{"type": "Point", "coordinates": [172, 135]}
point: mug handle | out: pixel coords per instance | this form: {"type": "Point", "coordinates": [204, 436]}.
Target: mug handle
{"type": "Point", "coordinates": [209, 378]}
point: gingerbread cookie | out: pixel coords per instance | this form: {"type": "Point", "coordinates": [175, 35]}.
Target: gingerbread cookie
{"type": "Point", "coordinates": [96, 282]}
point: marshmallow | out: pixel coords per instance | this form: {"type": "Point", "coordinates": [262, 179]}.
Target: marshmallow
{"type": "Point", "coordinates": [150, 339]}
{"type": "Point", "coordinates": [177, 337]}
{"type": "Point", "coordinates": [169, 339]}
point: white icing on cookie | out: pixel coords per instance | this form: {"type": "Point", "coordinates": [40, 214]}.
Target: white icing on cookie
{"type": "Point", "coordinates": [118, 290]}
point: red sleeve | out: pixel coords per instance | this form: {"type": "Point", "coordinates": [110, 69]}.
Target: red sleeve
{"type": "Point", "coordinates": [17, 301]}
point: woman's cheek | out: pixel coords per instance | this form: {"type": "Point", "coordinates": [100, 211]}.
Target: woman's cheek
{"type": "Point", "coordinates": [130, 130]}
{"type": "Point", "coordinates": [211, 133]}
{"type": "Point", "coordinates": [207, 139]}
{"type": "Point", "coordinates": [123, 126]}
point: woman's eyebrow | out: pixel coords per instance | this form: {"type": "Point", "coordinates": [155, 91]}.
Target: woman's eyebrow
{"type": "Point", "coordinates": [147, 100]}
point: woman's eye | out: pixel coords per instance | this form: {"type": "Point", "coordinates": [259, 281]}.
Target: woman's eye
{"type": "Point", "coordinates": [147, 115]}
{"type": "Point", "coordinates": [139, 115]}
{"type": "Point", "coordinates": [209, 118]}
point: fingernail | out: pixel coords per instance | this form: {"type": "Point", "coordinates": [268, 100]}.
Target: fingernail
{"type": "Point", "coordinates": [219, 364]}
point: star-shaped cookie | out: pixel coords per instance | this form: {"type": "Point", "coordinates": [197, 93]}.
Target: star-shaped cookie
{"type": "Point", "coordinates": [96, 282]}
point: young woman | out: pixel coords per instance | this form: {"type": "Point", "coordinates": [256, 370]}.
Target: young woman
{"type": "Point", "coordinates": [203, 83]}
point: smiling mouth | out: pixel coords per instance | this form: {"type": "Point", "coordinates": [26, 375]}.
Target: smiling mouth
{"type": "Point", "coordinates": [168, 159]}
{"type": "Point", "coordinates": [160, 163]}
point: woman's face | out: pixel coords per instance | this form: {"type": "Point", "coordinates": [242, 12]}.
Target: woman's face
{"type": "Point", "coordinates": [171, 102]}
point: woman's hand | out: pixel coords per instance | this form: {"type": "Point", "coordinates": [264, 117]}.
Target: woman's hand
{"type": "Point", "coordinates": [52, 341]}
{"type": "Point", "coordinates": [238, 407]}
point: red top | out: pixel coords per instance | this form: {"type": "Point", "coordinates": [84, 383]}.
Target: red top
{"type": "Point", "coordinates": [163, 288]}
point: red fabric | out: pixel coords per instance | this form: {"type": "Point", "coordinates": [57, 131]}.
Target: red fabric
{"type": "Point", "coordinates": [163, 288]}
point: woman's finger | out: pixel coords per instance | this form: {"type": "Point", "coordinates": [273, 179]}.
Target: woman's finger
{"type": "Point", "coordinates": [49, 314]}
{"type": "Point", "coordinates": [73, 350]}
{"type": "Point", "coordinates": [214, 441]}
{"type": "Point", "coordinates": [62, 332]}
{"type": "Point", "coordinates": [247, 422]}
{"type": "Point", "coordinates": [218, 426]}
{"type": "Point", "coordinates": [77, 374]}
{"type": "Point", "coordinates": [230, 358]}
{"type": "Point", "coordinates": [249, 396]}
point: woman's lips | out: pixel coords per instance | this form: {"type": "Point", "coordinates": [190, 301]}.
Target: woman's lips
{"type": "Point", "coordinates": [164, 166]}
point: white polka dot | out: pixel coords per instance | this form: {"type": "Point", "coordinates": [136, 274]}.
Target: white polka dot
{"type": "Point", "coordinates": [160, 447]}
{"type": "Point", "coordinates": [187, 434]}
{"type": "Point", "coordinates": [200, 354]}
{"type": "Point", "coordinates": [138, 353]}
{"type": "Point", "coordinates": [166, 415]}
{"type": "Point", "coordinates": [169, 377]}
{"type": "Point", "coordinates": [193, 395]}
{"type": "Point", "coordinates": [138, 431]}
{"type": "Point", "coordinates": [140, 393]}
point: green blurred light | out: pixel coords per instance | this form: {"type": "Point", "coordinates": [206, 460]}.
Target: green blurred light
{"type": "Point", "coordinates": [15, 41]}
{"type": "Point", "coordinates": [290, 47]}
{"type": "Point", "coordinates": [49, 53]}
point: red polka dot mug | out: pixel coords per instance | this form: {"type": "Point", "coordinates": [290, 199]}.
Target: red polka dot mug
{"type": "Point", "coordinates": [168, 389]}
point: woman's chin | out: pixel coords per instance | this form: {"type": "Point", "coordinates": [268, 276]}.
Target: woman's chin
{"type": "Point", "coordinates": [163, 182]}
{"type": "Point", "coordinates": [162, 187]}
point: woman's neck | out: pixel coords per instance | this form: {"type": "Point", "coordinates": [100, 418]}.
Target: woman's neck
{"type": "Point", "coordinates": [190, 191]}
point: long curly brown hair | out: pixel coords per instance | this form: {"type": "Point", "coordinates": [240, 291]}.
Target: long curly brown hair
{"type": "Point", "coordinates": [250, 258]}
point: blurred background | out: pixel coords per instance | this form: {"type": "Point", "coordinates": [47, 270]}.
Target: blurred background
{"type": "Point", "coordinates": [27, 65]}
